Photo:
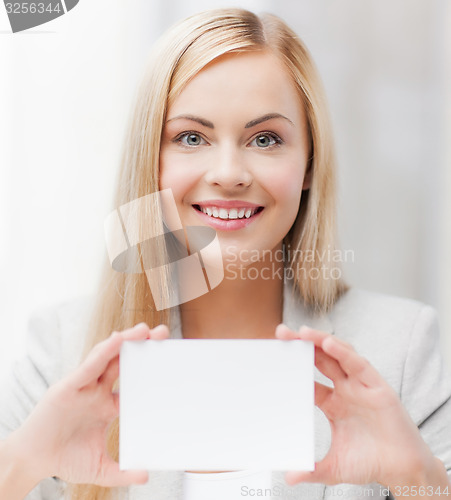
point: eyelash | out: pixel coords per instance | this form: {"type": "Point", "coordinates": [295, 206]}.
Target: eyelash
{"type": "Point", "coordinates": [277, 139]}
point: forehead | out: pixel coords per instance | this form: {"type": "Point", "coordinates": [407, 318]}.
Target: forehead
{"type": "Point", "coordinates": [241, 83]}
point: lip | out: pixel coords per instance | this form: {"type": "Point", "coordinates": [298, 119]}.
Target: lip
{"type": "Point", "coordinates": [230, 224]}
{"type": "Point", "coordinates": [226, 204]}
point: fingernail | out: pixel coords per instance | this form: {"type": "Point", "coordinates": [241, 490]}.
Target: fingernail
{"type": "Point", "coordinates": [289, 476]}
{"type": "Point", "coordinates": [139, 325]}
{"type": "Point", "coordinates": [162, 326]}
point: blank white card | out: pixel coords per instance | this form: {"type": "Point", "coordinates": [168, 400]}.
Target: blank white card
{"type": "Point", "coordinates": [191, 404]}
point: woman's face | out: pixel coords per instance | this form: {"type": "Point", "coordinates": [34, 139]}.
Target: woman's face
{"type": "Point", "coordinates": [234, 152]}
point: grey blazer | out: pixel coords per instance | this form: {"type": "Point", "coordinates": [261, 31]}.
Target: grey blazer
{"type": "Point", "coordinates": [398, 336]}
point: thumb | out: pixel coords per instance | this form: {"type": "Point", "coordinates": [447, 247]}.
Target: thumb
{"type": "Point", "coordinates": [112, 476]}
{"type": "Point", "coordinates": [295, 477]}
{"type": "Point", "coordinates": [319, 475]}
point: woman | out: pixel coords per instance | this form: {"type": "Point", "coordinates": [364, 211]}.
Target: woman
{"type": "Point", "coordinates": [231, 118]}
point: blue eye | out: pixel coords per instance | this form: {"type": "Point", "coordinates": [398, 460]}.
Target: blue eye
{"type": "Point", "coordinates": [190, 139]}
{"type": "Point", "coordinates": [266, 140]}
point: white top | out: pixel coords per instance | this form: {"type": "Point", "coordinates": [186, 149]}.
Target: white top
{"type": "Point", "coordinates": [227, 485]}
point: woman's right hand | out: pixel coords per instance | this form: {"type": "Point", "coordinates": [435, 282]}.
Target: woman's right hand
{"type": "Point", "coordinates": [65, 435]}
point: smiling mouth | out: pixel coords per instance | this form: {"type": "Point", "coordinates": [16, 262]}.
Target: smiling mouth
{"type": "Point", "coordinates": [228, 213]}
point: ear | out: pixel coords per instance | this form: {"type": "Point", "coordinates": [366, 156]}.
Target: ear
{"type": "Point", "coordinates": [308, 177]}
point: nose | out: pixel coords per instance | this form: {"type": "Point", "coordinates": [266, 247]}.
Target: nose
{"type": "Point", "coordinates": [228, 170]}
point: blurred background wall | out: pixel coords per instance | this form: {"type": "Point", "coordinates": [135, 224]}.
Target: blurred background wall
{"type": "Point", "coordinates": [66, 90]}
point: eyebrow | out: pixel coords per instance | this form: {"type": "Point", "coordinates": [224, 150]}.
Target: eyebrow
{"type": "Point", "coordinates": [264, 118]}
{"type": "Point", "coordinates": [252, 123]}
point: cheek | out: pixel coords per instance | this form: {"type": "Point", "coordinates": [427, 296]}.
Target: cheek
{"type": "Point", "coordinates": [166, 172]}
{"type": "Point", "coordinates": [286, 189]}
{"type": "Point", "coordinates": [172, 176]}
{"type": "Point", "coordinates": [175, 175]}
{"type": "Point", "coordinates": [166, 177]}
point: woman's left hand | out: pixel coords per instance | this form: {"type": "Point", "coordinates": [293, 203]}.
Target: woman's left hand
{"type": "Point", "coordinates": [373, 437]}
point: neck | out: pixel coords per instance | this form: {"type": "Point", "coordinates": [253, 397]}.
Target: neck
{"type": "Point", "coordinates": [245, 305]}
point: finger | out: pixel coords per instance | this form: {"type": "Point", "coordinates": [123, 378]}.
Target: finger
{"type": "Point", "coordinates": [318, 337]}
{"type": "Point", "coordinates": [323, 473]}
{"type": "Point", "coordinates": [326, 365]}
{"type": "Point", "coordinates": [322, 393]}
{"type": "Point", "coordinates": [97, 361]}
{"type": "Point", "coordinates": [115, 395]}
{"type": "Point", "coordinates": [143, 332]}
{"type": "Point", "coordinates": [112, 476]}
{"type": "Point", "coordinates": [352, 363]}
{"type": "Point", "coordinates": [329, 366]}
{"type": "Point", "coordinates": [284, 333]}
{"type": "Point", "coordinates": [160, 332]}
{"type": "Point", "coordinates": [111, 374]}
{"type": "Point", "coordinates": [295, 477]}
{"type": "Point", "coordinates": [306, 333]}
{"type": "Point", "coordinates": [138, 332]}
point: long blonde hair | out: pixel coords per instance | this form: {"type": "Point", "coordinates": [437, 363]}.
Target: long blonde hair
{"type": "Point", "coordinates": [125, 299]}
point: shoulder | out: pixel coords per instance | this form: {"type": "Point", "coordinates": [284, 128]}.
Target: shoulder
{"type": "Point", "coordinates": [67, 310]}
{"type": "Point", "coordinates": [60, 330]}
{"type": "Point", "coordinates": [385, 329]}
{"type": "Point", "coordinates": [54, 341]}
{"type": "Point", "coordinates": [386, 313]}
{"type": "Point", "coordinates": [357, 303]}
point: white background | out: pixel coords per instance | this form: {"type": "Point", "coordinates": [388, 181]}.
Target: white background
{"type": "Point", "coordinates": [66, 89]}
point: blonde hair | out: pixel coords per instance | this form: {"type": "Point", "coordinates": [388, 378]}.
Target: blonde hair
{"type": "Point", "coordinates": [125, 299]}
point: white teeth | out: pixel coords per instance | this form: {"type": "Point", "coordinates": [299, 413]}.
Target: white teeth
{"type": "Point", "coordinates": [223, 214]}
{"type": "Point", "coordinates": [233, 213]}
